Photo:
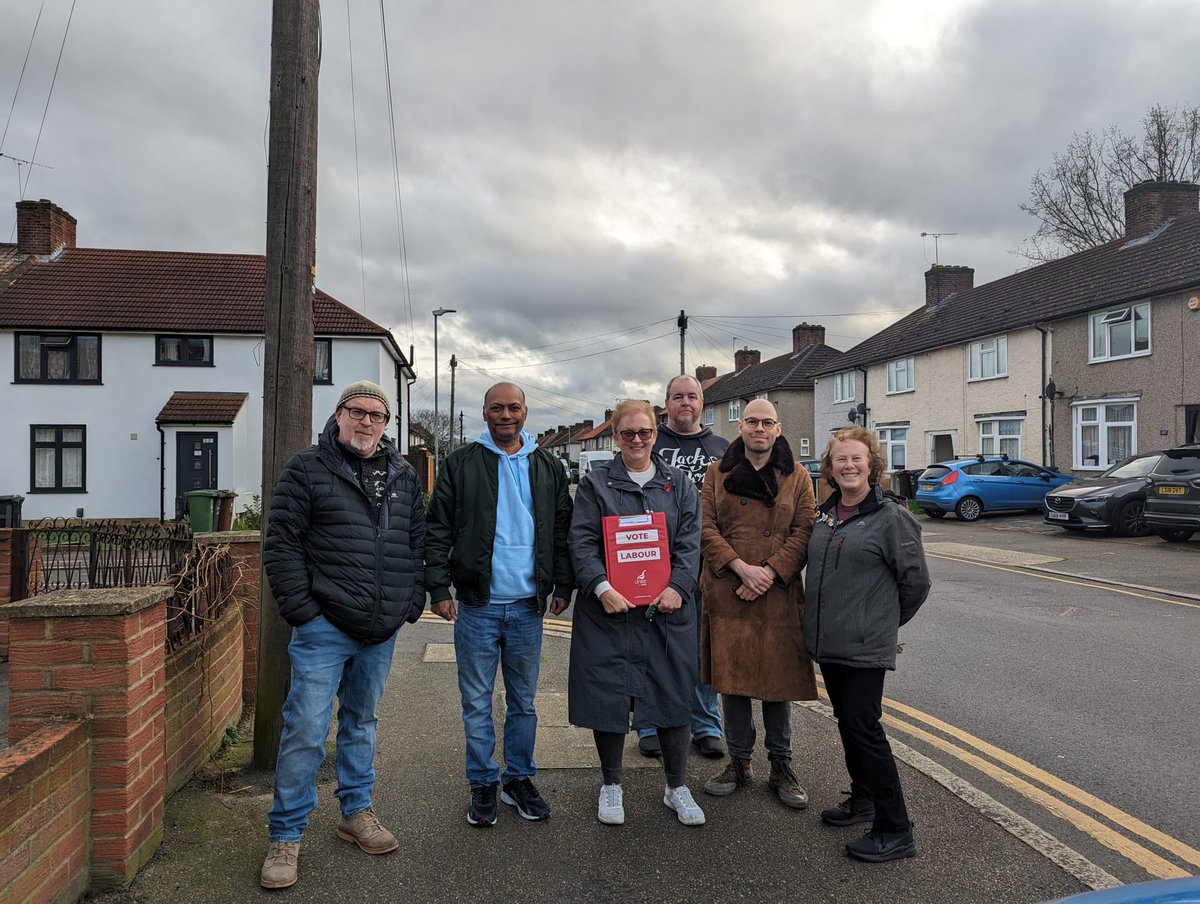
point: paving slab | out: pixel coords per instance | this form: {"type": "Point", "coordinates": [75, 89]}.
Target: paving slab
{"type": "Point", "coordinates": [751, 849]}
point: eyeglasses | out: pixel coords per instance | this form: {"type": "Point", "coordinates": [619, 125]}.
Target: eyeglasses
{"type": "Point", "coordinates": [753, 422]}
{"type": "Point", "coordinates": [357, 414]}
{"type": "Point", "coordinates": [630, 435]}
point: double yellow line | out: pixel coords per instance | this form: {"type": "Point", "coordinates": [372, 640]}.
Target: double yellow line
{"type": "Point", "coordinates": [1021, 775]}
{"type": "Point", "coordinates": [1031, 782]}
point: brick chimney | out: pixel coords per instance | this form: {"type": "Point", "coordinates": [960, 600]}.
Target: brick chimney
{"type": "Point", "coordinates": [43, 228]}
{"type": "Point", "coordinates": [705, 372]}
{"type": "Point", "coordinates": [1148, 204]}
{"type": "Point", "coordinates": [608, 414]}
{"type": "Point", "coordinates": [943, 281]}
{"type": "Point", "coordinates": [806, 334]}
{"type": "Point", "coordinates": [746, 357]}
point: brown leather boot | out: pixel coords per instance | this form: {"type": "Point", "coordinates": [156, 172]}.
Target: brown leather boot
{"type": "Point", "coordinates": [736, 774]}
{"type": "Point", "coordinates": [783, 782]}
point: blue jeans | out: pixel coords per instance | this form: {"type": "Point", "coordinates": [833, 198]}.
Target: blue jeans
{"type": "Point", "coordinates": [508, 635]}
{"type": "Point", "coordinates": [327, 663]}
{"type": "Point", "coordinates": [706, 717]}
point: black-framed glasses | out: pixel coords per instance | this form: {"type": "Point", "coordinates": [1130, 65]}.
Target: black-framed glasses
{"type": "Point", "coordinates": [754, 422]}
{"type": "Point", "coordinates": [357, 414]}
{"type": "Point", "coordinates": [630, 435]}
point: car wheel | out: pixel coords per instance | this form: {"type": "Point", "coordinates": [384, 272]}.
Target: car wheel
{"type": "Point", "coordinates": [1174, 534]}
{"type": "Point", "coordinates": [968, 509]}
{"type": "Point", "coordinates": [1130, 520]}
{"type": "Point", "coordinates": [935, 513]}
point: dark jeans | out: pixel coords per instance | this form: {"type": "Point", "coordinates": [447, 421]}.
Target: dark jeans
{"type": "Point", "coordinates": [857, 698]}
{"type": "Point", "coordinates": [739, 726]}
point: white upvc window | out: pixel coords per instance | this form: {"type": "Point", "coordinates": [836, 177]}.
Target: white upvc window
{"type": "Point", "coordinates": [1120, 333]}
{"type": "Point", "coordinates": [1104, 433]}
{"type": "Point", "coordinates": [1000, 436]}
{"type": "Point", "coordinates": [805, 447]}
{"type": "Point", "coordinates": [735, 410]}
{"type": "Point", "coordinates": [900, 375]}
{"type": "Point", "coordinates": [708, 415]}
{"type": "Point", "coordinates": [894, 442]}
{"type": "Point", "coordinates": [843, 387]}
{"type": "Point", "coordinates": [989, 358]}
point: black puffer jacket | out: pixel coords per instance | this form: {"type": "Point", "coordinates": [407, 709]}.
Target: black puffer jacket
{"type": "Point", "coordinates": [327, 553]}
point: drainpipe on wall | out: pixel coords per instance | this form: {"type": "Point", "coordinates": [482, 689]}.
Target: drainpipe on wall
{"type": "Point", "coordinates": [162, 473]}
{"type": "Point", "coordinates": [863, 371]}
{"type": "Point", "coordinates": [1047, 420]}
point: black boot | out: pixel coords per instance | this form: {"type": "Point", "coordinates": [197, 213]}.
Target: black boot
{"type": "Point", "coordinates": [850, 811]}
{"type": "Point", "coordinates": [879, 847]}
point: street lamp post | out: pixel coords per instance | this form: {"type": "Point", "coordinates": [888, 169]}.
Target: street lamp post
{"type": "Point", "coordinates": [437, 436]}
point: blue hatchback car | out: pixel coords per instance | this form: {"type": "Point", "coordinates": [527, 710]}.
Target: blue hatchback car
{"type": "Point", "coordinates": [984, 483]}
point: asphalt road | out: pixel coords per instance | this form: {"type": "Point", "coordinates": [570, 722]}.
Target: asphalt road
{"type": "Point", "coordinates": [1096, 684]}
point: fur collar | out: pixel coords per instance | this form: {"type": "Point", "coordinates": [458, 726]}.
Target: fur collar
{"type": "Point", "coordinates": [742, 479]}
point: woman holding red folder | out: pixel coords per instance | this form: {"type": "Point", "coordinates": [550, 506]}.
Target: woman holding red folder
{"type": "Point", "coordinates": [627, 660]}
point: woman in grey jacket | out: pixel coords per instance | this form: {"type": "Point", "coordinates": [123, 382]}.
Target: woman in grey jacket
{"type": "Point", "coordinates": [626, 659]}
{"type": "Point", "coordinates": [866, 577]}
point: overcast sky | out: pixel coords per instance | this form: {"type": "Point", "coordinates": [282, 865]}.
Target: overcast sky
{"type": "Point", "coordinates": [574, 170]}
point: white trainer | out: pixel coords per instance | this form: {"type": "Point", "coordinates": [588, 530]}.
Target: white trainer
{"type": "Point", "coordinates": [681, 801]}
{"type": "Point", "coordinates": [612, 805]}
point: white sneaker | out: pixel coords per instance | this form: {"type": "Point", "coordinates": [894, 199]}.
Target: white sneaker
{"type": "Point", "coordinates": [681, 801]}
{"type": "Point", "coordinates": [612, 805]}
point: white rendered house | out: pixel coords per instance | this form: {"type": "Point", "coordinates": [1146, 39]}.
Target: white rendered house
{"type": "Point", "coordinates": [138, 375]}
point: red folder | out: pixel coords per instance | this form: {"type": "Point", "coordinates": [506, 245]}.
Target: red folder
{"type": "Point", "coordinates": [637, 556]}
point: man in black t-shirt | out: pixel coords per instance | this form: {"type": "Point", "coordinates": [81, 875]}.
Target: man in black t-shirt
{"type": "Point", "coordinates": [686, 445]}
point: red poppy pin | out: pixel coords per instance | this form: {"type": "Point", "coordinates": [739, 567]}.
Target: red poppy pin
{"type": "Point", "coordinates": [667, 488]}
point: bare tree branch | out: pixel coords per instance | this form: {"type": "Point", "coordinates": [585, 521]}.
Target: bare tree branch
{"type": "Point", "coordinates": [1079, 202]}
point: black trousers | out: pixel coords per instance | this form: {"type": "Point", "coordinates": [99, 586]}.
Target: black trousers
{"type": "Point", "coordinates": [857, 698]}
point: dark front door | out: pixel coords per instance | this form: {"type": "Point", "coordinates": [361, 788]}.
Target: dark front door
{"type": "Point", "coordinates": [1191, 415]}
{"type": "Point", "coordinates": [195, 466]}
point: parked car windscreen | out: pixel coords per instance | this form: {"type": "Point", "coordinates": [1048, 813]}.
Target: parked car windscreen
{"type": "Point", "coordinates": [1133, 467]}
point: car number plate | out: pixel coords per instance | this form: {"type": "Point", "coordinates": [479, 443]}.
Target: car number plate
{"type": "Point", "coordinates": [1058, 516]}
{"type": "Point", "coordinates": [927, 488]}
{"type": "Point", "coordinates": [1172, 491]}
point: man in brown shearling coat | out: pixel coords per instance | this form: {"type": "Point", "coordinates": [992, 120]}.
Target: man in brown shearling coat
{"type": "Point", "coordinates": [758, 510]}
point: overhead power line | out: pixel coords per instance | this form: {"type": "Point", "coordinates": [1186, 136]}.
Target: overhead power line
{"type": "Point", "coordinates": [49, 94]}
{"type": "Point", "coordinates": [400, 236]}
{"type": "Point", "coordinates": [21, 77]}
{"type": "Point", "coordinates": [574, 343]}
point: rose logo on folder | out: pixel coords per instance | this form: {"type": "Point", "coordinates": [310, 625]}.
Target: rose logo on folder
{"type": "Point", "coordinates": [637, 556]}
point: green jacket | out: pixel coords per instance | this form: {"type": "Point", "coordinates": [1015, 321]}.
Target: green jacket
{"type": "Point", "coordinates": [461, 526]}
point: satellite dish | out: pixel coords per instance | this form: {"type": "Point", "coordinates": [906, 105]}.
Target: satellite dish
{"type": "Point", "coordinates": [1051, 389]}
{"type": "Point", "coordinates": [852, 415]}
{"type": "Point", "coordinates": [862, 408]}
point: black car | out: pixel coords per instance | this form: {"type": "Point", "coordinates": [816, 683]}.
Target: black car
{"type": "Point", "coordinates": [1114, 500]}
{"type": "Point", "coordinates": [1173, 496]}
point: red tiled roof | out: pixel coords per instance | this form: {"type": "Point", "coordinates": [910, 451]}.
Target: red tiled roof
{"type": "Point", "coordinates": [108, 289]}
{"type": "Point", "coordinates": [202, 408]}
{"type": "Point", "coordinates": [605, 427]}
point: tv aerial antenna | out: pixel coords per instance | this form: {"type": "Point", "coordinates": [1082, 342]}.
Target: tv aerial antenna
{"type": "Point", "coordinates": [936, 236]}
{"type": "Point", "coordinates": [20, 163]}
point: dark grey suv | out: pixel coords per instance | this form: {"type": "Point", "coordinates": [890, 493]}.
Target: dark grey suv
{"type": "Point", "coordinates": [1173, 496]}
{"type": "Point", "coordinates": [1114, 500]}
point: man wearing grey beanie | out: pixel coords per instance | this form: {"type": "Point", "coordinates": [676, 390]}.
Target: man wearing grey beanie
{"type": "Point", "coordinates": [344, 555]}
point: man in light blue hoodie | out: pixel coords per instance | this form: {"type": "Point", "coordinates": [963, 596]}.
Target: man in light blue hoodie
{"type": "Point", "coordinates": [497, 531]}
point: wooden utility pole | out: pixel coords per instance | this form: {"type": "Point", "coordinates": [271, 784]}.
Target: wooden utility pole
{"type": "Point", "coordinates": [450, 416]}
{"type": "Point", "coordinates": [291, 264]}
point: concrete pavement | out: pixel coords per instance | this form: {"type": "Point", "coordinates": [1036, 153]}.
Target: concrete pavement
{"type": "Point", "coordinates": [752, 848]}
